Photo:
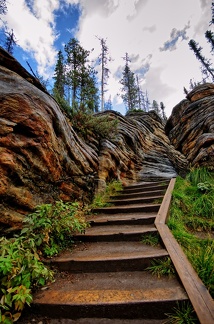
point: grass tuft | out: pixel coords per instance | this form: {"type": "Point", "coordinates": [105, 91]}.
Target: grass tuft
{"type": "Point", "coordinates": [163, 267]}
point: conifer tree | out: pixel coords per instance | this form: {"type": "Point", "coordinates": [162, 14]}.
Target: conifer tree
{"type": "Point", "coordinates": [129, 89]}
{"type": "Point", "coordinates": [10, 41]}
{"type": "Point", "coordinates": [206, 65]}
{"type": "Point", "coordinates": [162, 107]}
{"type": "Point", "coordinates": [59, 76]}
{"type": "Point", "coordinates": [155, 107]}
{"type": "Point", "coordinates": [80, 77]}
{"type": "Point", "coordinates": [140, 95]}
{"type": "Point", "coordinates": [104, 58]}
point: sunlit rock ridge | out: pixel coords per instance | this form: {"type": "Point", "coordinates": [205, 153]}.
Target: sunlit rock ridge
{"type": "Point", "coordinates": [42, 159]}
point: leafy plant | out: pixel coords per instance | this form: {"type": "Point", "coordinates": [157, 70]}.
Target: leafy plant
{"type": "Point", "coordinates": [150, 239]}
{"type": "Point", "coordinates": [182, 314]}
{"type": "Point", "coordinates": [20, 271]}
{"type": "Point", "coordinates": [51, 226]}
{"type": "Point", "coordinates": [162, 267]}
{"type": "Point", "coordinates": [45, 233]}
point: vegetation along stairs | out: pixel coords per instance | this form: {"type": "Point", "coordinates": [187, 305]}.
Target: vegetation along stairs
{"type": "Point", "coordinates": [105, 276]}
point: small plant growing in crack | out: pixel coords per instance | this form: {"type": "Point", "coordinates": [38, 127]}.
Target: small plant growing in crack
{"type": "Point", "coordinates": [182, 314]}
{"type": "Point", "coordinates": [163, 267]}
{"type": "Point", "coordinates": [150, 239]}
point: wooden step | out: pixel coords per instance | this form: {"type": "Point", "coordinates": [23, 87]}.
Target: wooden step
{"type": "Point", "coordinates": [108, 256]}
{"type": "Point", "coordinates": [139, 194]}
{"type": "Point", "coordinates": [123, 218]}
{"type": "Point", "coordinates": [145, 185]}
{"type": "Point", "coordinates": [134, 294]}
{"type": "Point", "coordinates": [143, 188]}
{"type": "Point", "coordinates": [135, 208]}
{"type": "Point", "coordinates": [141, 200]}
{"type": "Point", "coordinates": [116, 233]}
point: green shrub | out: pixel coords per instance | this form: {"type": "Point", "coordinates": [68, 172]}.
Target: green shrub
{"type": "Point", "coordinates": [20, 271]}
{"type": "Point", "coordinates": [51, 226]}
{"type": "Point", "coordinates": [86, 123]}
{"type": "Point", "coordinates": [45, 233]}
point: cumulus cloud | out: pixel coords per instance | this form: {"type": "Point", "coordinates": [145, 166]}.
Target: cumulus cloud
{"type": "Point", "coordinates": [33, 23]}
{"type": "Point", "coordinates": [139, 27]}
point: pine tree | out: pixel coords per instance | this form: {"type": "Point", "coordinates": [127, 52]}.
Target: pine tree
{"type": "Point", "coordinates": [76, 60]}
{"type": "Point", "coordinates": [210, 38]}
{"type": "Point", "coordinates": [80, 77]}
{"type": "Point", "coordinates": [162, 107]}
{"type": "Point", "coordinates": [140, 95]}
{"type": "Point", "coordinates": [206, 64]}
{"type": "Point", "coordinates": [10, 41]}
{"type": "Point", "coordinates": [104, 58]}
{"type": "Point", "coordinates": [129, 89]}
{"type": "Point", "coordinates": [147, 102]}
{"type": "Point", "coordinates": [155, 107]}
{"type": "Point", "coordinates": [59, 76]}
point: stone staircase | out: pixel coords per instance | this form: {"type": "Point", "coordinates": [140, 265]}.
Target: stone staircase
{"type": "Point", "coordinates": [104, 279]}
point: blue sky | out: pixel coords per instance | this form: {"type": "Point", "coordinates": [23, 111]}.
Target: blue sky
{"type": "Point", "coordinates": [154, 33]}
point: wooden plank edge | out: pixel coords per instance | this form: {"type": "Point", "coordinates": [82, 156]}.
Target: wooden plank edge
{"type": "Point", "coordinates": [199, 296]}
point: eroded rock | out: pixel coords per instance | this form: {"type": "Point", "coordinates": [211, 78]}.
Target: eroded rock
{"type": "Point", "coordinates": [191, 126]}
{"type": "Point", "coordinates": [42, 159]}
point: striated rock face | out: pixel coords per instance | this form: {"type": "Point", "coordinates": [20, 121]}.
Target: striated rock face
{"type": "Point", "coordinates": [140, 150]}
{"type": "Point", "coordinates": [42, 159]}
{"type": "Point", "coordinates": [191, 126]}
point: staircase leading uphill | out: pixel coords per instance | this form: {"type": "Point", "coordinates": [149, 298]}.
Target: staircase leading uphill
{"type": "Point", "coordinates": [104, 279]}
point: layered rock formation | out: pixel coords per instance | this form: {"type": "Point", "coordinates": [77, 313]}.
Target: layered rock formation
{"type": "Point", "coordinates": [42, 159]}
{"type": "Point", "coordinates": [191, 126]}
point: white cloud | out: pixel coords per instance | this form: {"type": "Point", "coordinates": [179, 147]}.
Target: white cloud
{"type": "Point", "coordinates": [34, 30]}
{"type": "Point", "coordinates": [138, 27]}
{"type": "Point", "coordinates": [141, 28]}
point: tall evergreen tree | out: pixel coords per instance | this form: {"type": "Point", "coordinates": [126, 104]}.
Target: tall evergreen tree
{"type": "Point", "coordinates": [59, 76]}
{"type": "Point", "coordinates": [210, 38]}
{"type": "Point", "coordinates": [76, 60]}
{"type": "Point", "coordinates": [162, 107]}
{"type": "Point", "coordinates": [10, 41]}
{"type": "Point", "coordinates": [140, 95]}
{"type": "Point", "coordinates": [129, 89]}
{"type": "Point", "coordinates": [206, 65]}
{"type": "Point", "coordinates": [104, 58]}
{"type": "Point", "coordinates": [80, 77]}
{"type": "Point", "coordinates": [155, 107]}
{"type": "Point", "coordinates": [147, 102]}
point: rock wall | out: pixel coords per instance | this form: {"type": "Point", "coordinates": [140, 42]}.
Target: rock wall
{"type": "Point", "coordinates": [42, 159]}
{"type": "Point", "coordinates": [190, 127]}
{"type": "Point", "coordinates": [141, 150]}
